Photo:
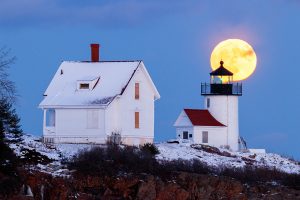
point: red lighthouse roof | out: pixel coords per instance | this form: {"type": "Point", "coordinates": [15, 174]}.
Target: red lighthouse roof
{"type": "Point", "coordinates": [202, 118]}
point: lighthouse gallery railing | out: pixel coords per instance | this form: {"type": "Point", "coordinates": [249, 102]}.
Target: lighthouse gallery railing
{"type": "Point", "coordinates": [221, 89]}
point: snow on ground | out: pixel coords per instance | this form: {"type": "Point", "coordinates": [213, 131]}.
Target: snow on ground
{"type": "Point", "coordinates": [212, 156]}
{"type": "Point", "coordinates": [229, 159]}
{"type": "Point", "coordinates": [55, 152]}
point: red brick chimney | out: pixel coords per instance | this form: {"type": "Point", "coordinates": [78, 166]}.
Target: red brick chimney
{"type": "Point", "coordinates": [95, 52]}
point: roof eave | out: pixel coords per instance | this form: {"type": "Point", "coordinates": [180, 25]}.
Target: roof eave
{"type": "Point", "coordinates": [156, 93]}
{"type": "Point", "coordinates": [206, 126]}
{"type": "Point", "coordinates": [73, 106]}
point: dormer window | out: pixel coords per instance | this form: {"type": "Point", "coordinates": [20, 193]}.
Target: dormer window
{"type": "Point", "coordinates": [88, 83]}
{"type": "Point", "coordinates": [84, 86]}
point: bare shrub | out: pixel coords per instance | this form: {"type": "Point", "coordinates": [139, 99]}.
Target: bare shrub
{"type": "Point", "coordinates": [151, 148]}
{"type": "Point", "coordinates": [114, 138]}
{"type": "Point", "coordinates": [113, 160]}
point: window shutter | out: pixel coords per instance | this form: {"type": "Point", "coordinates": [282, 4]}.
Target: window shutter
{"type": "Point", "coordinates": [137, 91]}
{"type": "Point", "coordinates": [137, 120]}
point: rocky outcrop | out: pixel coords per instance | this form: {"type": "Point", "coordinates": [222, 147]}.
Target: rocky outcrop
{"type": "Point", "coordinates": [183, 186]}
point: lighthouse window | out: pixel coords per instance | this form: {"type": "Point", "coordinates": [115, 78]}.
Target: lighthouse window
{"type": "Point", "coordinates": [208, 102]}
{"type": "Point", "coordinates": [205, 137]}
{"type": "Point", "coordinates": [190, 135]}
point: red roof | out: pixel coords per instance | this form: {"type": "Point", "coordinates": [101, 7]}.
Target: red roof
{"type": "Point", "coordinates": [202, 118]}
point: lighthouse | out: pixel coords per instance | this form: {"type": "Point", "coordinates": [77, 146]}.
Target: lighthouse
{"type": "Point", "coordinates": [221, 97]}
{"type": "Point", "coordinates": [217, 124]}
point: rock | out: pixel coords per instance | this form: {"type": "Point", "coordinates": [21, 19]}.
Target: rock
{"type": "Point", "coordinates": [147, 189]}
{"type": "Point", "coordinates": [252, 156]}
{"type": "Point", "coordinates": [107, 192]}
{"type": "Point", "coordinates": [181, 186]}
{"type": "Point", "coordinates": [172, 191]}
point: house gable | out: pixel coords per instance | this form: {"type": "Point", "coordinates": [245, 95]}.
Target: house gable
{"type": "Point", "coordinates": [183, 120]}
{"type": "Point", "coordinates": [149, 79]}
{"type": "Point", "coordinates": [141, 67]}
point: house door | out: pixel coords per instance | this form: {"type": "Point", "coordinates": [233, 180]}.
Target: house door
{"type": "Point", "coordinates": [185, 135]}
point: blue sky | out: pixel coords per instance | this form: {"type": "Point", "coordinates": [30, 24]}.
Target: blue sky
{"type": "Point", "coordinates": [175, 39]}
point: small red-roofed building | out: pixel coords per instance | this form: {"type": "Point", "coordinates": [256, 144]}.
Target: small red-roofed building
{"type": "Point", "coordinates": [199, 126]}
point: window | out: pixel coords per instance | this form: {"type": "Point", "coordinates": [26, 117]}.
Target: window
{"type": "Point", "coordinates": [190, 135]}
{"type": "Point", "coordinates": [185, 134]}
{"type": "Point", "coordinates": [84, 86]}
{"type": "Point", "coordinates": [137, 120]}
{"type": "Point", "coordinates": [137, 90]}
{"type": "Point", "coordinates": [92, 119]}
{"type": "Point", "coordinates": [208, 102]}
{"type": "Point", "coordinates": [204, 136]}
{"type": "Point", "coordinates": [50, 118]}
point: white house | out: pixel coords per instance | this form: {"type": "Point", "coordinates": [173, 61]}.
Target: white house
{"type": "Point", "coordinates": [88, 101]}
{"type": "Point", "coordinates": [217, 125]}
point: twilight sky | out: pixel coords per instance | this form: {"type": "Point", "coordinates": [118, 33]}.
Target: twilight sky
{"type": "Point", "coordinates": [175, 39]}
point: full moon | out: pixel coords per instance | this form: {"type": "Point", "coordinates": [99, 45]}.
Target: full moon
{"type": "Point", "coordinates": [238, 57]}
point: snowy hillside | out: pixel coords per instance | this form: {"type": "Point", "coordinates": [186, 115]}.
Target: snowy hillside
{"type": "Point", "coordinates": [223, 158]}
{"type": "Point", "coordinates": [211, 156]}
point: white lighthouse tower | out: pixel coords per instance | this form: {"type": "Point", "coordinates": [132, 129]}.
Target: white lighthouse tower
{"type": "Point", "coordinates": [221, 100]}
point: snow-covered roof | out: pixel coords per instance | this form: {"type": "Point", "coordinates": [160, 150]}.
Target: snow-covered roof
{"type": "Point", "coordinates": [202, 118]}
{"type": "Point", "coordinates": [106, 80]}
